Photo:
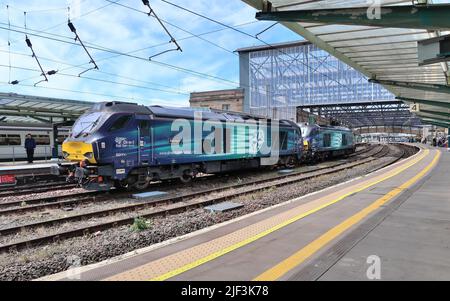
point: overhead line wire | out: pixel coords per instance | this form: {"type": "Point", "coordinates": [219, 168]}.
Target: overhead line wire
{"type": "Point", "coordinates": [99, 80]}
{"type": "Point", "coordinates": [250, 35]}
{"type": "Point", "coordinates": [81, 92]}
{"type": "Point", "coordinates": [192, 72]}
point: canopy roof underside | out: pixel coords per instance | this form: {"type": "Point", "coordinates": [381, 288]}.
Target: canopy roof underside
{"type": "Point", "coordinates": [24, 109]}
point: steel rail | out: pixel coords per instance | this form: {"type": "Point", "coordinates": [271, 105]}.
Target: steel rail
{"type": "Point", "coordinates": [177, 204]}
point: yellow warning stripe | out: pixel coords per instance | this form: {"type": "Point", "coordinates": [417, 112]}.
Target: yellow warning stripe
{"type": "Point", "coordinates": [300, 256]}
{"type": "Point", "coordinates": [167, 267]}
{"type": "Point", "coordinates": [247, 241]}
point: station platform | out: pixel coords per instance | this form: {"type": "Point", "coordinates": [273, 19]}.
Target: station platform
{"type": "Point", "coordinates": [393, 224]}
{"type": "Point", "coordinates": [25, 163]}
{"type": "Point", "coordinates": [24, 169]}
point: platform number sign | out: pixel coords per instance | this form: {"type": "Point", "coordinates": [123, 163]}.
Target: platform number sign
{"type": "Point", "coordinates": [414, 107]}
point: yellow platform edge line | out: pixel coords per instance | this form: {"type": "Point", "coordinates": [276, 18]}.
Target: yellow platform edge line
{"type": "Point", "coordinates": [303, 254]}
{"type": "Point", "coordinates": [245, 242]}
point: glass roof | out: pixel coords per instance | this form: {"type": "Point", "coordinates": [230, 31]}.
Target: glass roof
{"type": "Point", "coordinates": [381, 53]}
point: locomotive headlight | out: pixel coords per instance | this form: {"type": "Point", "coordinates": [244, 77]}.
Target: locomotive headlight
{"type": "Point", "coordinates": [89, 155]}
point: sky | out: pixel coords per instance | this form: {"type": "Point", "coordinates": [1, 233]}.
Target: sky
{"type": "Point", "coordinates": [206, 63]}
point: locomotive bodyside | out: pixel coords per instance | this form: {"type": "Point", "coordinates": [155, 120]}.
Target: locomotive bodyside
{"type": "Point", "coordinates": [127, 145]}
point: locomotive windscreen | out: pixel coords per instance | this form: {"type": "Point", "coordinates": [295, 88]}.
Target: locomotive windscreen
{"type": "Point", "coordinates": [88, 123]}
{"type": "Point", "coordinates": [306, 130]}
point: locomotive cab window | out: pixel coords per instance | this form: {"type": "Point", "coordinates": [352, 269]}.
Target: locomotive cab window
{"type": "Point", "coordinates": [87, 124]}
{"type": "Point", "coordinates": [120, 123]}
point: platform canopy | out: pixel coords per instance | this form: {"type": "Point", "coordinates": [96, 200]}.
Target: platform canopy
{"type": "Point", "coordinates": [363, 115]}
{"type": "Point", "coordinates": [24, 109]}
{"type": "Point", "coordinates": [380, 42]}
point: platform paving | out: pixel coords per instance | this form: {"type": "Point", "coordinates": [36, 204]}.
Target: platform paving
{"type": "Point", "coordinates": [409, 234]}
{"type": "Point", "coordinates": [413, 242]}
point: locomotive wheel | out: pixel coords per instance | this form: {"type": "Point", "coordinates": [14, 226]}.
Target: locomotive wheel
{"type": "Point", "coordinates": [187, 176]}
{"type": "Point", "coordinates": [120, 186]}
{"type": "Point", "coordinates": [290, 162]}
{"type": "Point", "coordinates": [287, 162]}
{"type": "Point", "coordinates": [141, 185]}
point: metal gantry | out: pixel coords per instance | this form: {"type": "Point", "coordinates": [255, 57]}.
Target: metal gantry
{"type": "Point", "coordinates": [367, 115]}
{"type": "Point", "coordinates": [285, 76]}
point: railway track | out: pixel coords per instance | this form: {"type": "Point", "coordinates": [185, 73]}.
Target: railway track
{"type": "Point", "coordinates": [175, 204]}
{"type": "Point", "coordinates": [58, 185]}
{"type": "Point", "coordinates": [23, 190]}
{"type": "Point", "coordinates": [48, 202]}
{"type": "Point", "coordinates": [19, 187]}
{"type": "Point", "coordinates": [64, 201]}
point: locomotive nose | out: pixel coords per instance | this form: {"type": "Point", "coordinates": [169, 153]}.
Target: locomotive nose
{"type": "Point", "coordinates": [305, 145]}
{"type": "Point", "coordinates": [79, 151]}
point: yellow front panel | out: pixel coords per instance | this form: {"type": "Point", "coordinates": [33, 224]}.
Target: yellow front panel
{"type": "Point", "coordinates": [305, 145]}
{"type": "Point", "coordinates": [77, 151]}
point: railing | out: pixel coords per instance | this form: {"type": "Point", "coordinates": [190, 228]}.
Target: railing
{"type": "Point", "coordinates": [19, 153]}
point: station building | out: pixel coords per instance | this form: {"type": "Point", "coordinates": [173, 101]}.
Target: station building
{"type": "Point", "coordinates": [226, 100]}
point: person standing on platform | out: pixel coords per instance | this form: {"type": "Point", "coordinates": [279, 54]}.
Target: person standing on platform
{"type": "Point", "coordinates": [30, 145]}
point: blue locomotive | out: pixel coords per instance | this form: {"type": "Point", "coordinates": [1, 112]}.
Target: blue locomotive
{"type": "Point", "coordinates": [323, 142]}
{"type": "Point", "coordinates": [127, 145]}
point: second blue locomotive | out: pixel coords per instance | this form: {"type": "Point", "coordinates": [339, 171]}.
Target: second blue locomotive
{"type": "Point", "coordinates": [323, 142]}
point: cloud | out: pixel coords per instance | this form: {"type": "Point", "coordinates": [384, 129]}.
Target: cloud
{"type": "Point", "coordinates": [120, 29]}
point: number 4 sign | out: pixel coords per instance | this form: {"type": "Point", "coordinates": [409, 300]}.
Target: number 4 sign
{"type": "Point", "coordinates": [414, 107]}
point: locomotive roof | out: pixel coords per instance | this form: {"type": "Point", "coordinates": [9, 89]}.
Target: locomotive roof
{"type": "Point", "coordinates": [210, 114]}
{"type": "Point", "coordinates": [120, 107]}
{"type": "Point", "coordinates": [178, 112]}
{"type": "Point", "coordinates": [189, 113]}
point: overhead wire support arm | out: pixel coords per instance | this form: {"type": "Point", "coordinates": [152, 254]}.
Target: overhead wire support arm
{"type": "Point", "coordinates": [30, 45]}
{"type": "Point", "coordinates": [172, 38]}
{"type": "Point", "coordinates": [77, 38]}
{"type": "Point", "coordinates": [27, 40]}
{"type": "Point", "coordinates": [9, 48]}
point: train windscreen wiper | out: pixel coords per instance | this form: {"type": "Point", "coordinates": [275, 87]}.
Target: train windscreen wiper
{"type": "Point", "coordinates": [89, 127]}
